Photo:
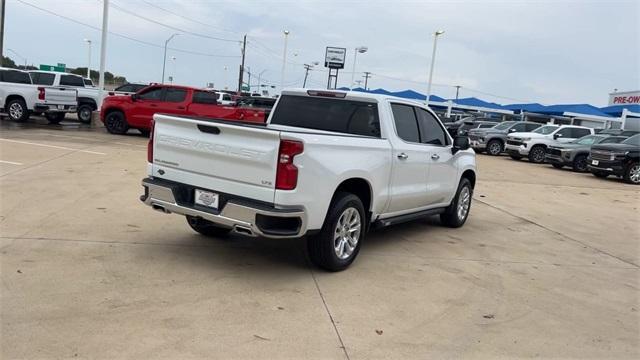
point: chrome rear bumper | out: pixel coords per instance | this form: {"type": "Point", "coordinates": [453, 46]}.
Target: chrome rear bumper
{"type": "Point", "coordinates": [245, 219]}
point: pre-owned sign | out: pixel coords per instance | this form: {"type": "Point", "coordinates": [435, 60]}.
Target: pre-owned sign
{"type": "Point", "coordinates": [627, 97]}
{"type": "Point", "coordinates": [334, 57]}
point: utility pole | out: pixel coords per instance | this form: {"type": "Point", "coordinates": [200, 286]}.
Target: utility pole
{"type": "Point", "coordinates": [367, 75]}
{"type": "Point", "coordinates": [244, 47]}
{"type": "Point", "coordinates": [2, 3]}
{"type": "Point", "coordinates": [307, 67]}
{"type": "Point", "coordinates": [457, 91]}
{"type": "Point", "coordinates": [103, 48]}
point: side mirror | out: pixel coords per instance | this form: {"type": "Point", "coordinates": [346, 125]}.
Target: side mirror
{"type": "Point", "coordinates": [134, 97]}
{"type": "Point", "coordinates": [556, 136]}
{"type": "Point", "coordinates": [460, 143]}
{"type": "Point", "coordinates": [512, 130]}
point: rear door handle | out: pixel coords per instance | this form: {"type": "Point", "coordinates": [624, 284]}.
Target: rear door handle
{"type": "Point", "coordinates": [435, 156]}
{"type": "Point", "coordinates": [403, 156]}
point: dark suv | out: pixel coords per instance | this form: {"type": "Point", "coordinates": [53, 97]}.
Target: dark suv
{"type": "Point", "coordinates": [575, 153]}
{"type": "Point", "coordinates": [621, 160]}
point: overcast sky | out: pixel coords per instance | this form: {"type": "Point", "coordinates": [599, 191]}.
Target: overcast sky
{"type": "Point", "coordinates": [520, 51]}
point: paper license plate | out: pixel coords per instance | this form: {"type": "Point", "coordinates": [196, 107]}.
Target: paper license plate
{"type": "Point", "coordinates": [60, 107]}
{"type": "Point", "coordinates": [206, 198]}
{"type": "Point", "coordinates": [595, 162]}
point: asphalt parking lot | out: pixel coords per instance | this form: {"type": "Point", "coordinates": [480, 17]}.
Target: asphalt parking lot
{"type": "Point", "coordinates": [548, 265]}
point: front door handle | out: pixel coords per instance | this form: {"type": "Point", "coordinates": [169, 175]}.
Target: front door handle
{"type": "Point", "coordinates": [403, 156]}
{"type": "Point", "coordinates": [435, 156]}
{"type": "Point", "coordinates": [181, 107]}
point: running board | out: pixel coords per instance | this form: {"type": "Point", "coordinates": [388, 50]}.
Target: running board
{"type": "Point", "coordinates": [407, 217]}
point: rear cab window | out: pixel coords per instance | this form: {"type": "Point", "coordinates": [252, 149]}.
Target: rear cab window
{"type": "Point", "coordinates": [328, 114]}
{"type": "Point", "coordinates": [41, 78]}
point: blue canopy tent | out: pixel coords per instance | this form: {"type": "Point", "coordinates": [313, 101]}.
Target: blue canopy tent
{"type": "Point", "coordinates": [531, 107]}
{"type": "Point", "coordinates": [616, 110]}
{"type": "Point", "coordinates": [573, 110]}
{"type": "Point", "coordinates": [475, 102]}
{"type": "Point", "coordinates": [380, 91]}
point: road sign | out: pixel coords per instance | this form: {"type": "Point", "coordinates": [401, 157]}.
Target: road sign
{"type": "Point", "coordinates": [44, 67]}
{"type": "Point", "coordinates": [334, 57]}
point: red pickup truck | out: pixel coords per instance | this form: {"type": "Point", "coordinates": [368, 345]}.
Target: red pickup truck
{"type": "Point", "coordinates": [120, 113]}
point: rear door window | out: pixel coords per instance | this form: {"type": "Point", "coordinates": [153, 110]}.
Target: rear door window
{"type": "Point", "coordinates": [175, 95]}
{"type": "Point", "coordinates": [43, 78]}
{"type": "Point", "coordinates": [205, 97]}
{"type": "Point", "coordinates": [345, 116]}
{"type": "Point", "coordinates": [71, 80]}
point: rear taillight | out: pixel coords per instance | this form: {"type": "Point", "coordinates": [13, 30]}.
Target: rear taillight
{"type": "Point", "coordinates": [287, 174]}
{"type": "Point", "coordinates": [150, 144]}
{"type": "Point", "coordinates": [40, 93]}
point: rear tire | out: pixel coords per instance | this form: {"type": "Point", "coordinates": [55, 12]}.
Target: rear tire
{"type": "Point", "coordinates": [144, 132]}
{"type": "Point", "coordinates": [344, 229]}
{"type": "Point", "coordinates": [494, 147]}
{"type": "Point", "coordinates": [206, 227]}
{"type": "Point", "coordinates": [632, 173]}
{"type": "Point", "coordinates": [17, 110]}
{"type": "Point", "coordinates": [457, 212]}
{"type": "Point", "coordinates": [116, 123]}
{"type": "Point", "coordinates": [537, 154]}
{"type": "Point", "coordinates": [580, 163]}
{"type": "Point", "coordinates": [84, 113]}
{"type": "Point", "coordinates": [55, 117]}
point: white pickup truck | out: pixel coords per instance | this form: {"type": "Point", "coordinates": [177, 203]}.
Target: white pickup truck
{"type": "Point", "coordinates": [534, 144]}
{"type": "Point", "coordinates": [88, 95]}
{"type": "Point", "coordinates": [19, 97]}
{"type": "Point", "coordinates": [327, 164]}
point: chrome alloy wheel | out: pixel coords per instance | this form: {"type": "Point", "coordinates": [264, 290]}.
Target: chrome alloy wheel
{"type": "Point", "coordinates": [16, 110]}
{"type": "Point", "coordinates": [634, 174]}
{"type": "Point", "coordinates": [464, 200]}
{"type": "Point", "coordinates": [495, 148]}
{"type": "Point", "coordinates": [347, 233]}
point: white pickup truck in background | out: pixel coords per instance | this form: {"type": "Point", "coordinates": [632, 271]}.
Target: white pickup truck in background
{"type": "Point", "coordinates": [328, 164]}
{"type": "Point", "coordinates": [19, 97]}
{"type": "Point", "coordinates": [88, 95]}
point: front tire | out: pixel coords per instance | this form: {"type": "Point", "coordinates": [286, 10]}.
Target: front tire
{"type": "Point", "coordinates": [116, 123]}
{"type": "Point", "coordinates": [632, 173]}
{"type": "Point", "coordinates": [457, 212]}
{"type": "Point", "coordinates": [580, 163]}
{"type": "Point", "coordinates": [206, 227]}
{"type": "Point", "coordinates": [494, 147]}
{"type": "Point", "coordinates": [344, 229]}
{"type": "Point", "coordinates": [84, 113]}
{"type": "Point", "coordinates": [17, 110]}
{"type": "Point", "coordinates": [537, 154]}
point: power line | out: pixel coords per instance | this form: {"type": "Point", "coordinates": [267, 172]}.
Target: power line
{"type": "Point", "coordinates": [189, 19]}
{"type": "Point", "coordinates": [170, 26]}
{"type": "Point", "coordinates": [122, 35]}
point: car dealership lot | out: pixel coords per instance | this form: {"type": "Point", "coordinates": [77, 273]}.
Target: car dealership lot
{"type": "Point", "coordinates": [547, 265]}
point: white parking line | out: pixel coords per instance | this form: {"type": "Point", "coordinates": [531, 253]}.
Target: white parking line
{"type": "Point", "coordinates": [122, 143]}
{"type": "Point", "coordinates": [53, 146]}
{"type": "Point", "coordinates": [10, 162]}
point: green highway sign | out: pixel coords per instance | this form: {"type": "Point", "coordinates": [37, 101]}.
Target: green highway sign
{"type": "Point", "coordinates": [57, 68]}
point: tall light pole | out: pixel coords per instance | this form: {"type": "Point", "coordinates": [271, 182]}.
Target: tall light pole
{"type": "Point", "coordinates": [226, 77]}
{"type": "Point", "coordinates": [173, 71]}
{"type": "Point", "coordinates": [88, 59]}
{"type": "Point", "coordinates": [260, 78]}
{"type": "Point", "coordinates": [361, 50]}
{"type": "Point", "coordinates": [284, 59]}
{"type": "Point", "coordinates": [433, 61]}
{"type": "Point", "coordinates": [103, 49]}
{"type": "Point", "coordinates": [164, 58]}
{"type": "Point", "coordinates": [20, 56]}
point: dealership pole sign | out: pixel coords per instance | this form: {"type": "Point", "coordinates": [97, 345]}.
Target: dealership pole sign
{"type": "Point", "coordinates": [626, 97]}
{"type": "Point", "coordinates": [334, 57]}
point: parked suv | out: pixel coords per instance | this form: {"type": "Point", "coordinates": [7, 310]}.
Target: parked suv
{"type": "Point", "coordinates": [534, 144]}
{"type": "Point", "coordinates": [493, 140]}
{"type": "Point", "coordinates": [575, 153]}
{"type": "Point", "coordinates": [119, 113]}
{"type": "Point", "coordinates": [617, 159]}
{"type": "Point", "coordinates": [463, 130]}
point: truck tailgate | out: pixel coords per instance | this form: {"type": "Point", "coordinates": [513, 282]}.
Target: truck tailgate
{"type": "Point", "coordinates": [225, 157]}
{"type": "Point", "coordinates": [60, 96]}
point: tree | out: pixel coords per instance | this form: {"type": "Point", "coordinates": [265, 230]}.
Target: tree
{"type": "Point", "coordinates": [7, 62]}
